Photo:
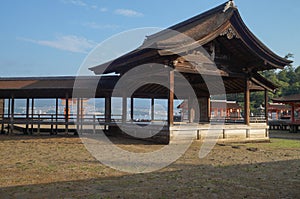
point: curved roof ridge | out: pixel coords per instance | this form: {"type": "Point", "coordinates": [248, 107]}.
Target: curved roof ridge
{"type": "Point", "coordinates": [178, 26]}
{"type": "Point", "coordinates": [237, 20]}
{"type": "Point", "coordinates": [203, 27]}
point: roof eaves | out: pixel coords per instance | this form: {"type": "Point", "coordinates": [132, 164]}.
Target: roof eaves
{"type": "Point", "coordinates": [263, 82]}
{"type": "Point", "coordinates": [256, 45]}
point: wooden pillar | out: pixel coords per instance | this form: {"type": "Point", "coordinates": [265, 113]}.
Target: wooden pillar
{"type": "Point", "coordinates": [247, 102]}
{"type": "Point", "coordinates": [9, 107]}
{"type": "Point", "coordinates": [188, 108]}
{"type": "Point", "coordinates": [12, 114]}
{"type": "Point", "coordinates": [51, 132]}
{"type": "Point", "coordinates": [39, 125]}
{"type": "Point", "coordinates": [131, 108]}
{"type": "Point", "coordinates": [199, 112]}
{"type": "Point", "coordinates": [203, 104]}
{"type": "Point", "coordinates": [27, 115]}
{"type": "Point", "coordinates": [191, 110]}
{"type": "Point", "coordinates": [32, 114]}
{"type": "Point", "coordinates": [152, 109]}
{"type": "Point", "coordinates": [266, 105]}
{"type": "Point", "coordinates": [171, 99]}
{"type": "Point", "coordinates": [208, 109]}
{"type": "Point", "coordinates": [56, 115]}
{"type": "Point", "coordinates": [94, 124]}
{"type": "Point", "coordinates": [9, 113]}
{"type": "Point", "coordinates": [107, 110]}
{"type": "Point", "coordinates": [1, 107]}
{"type": "Point", "coordinates": [81, 115]}
{"type": "Point", "coordinates": [293, 112]}
{"type": "Point", "coordinates": [3, 115]}
{"type": "Point", "coordinates": [77, 114]}
{"type": "Point", "coordinates": [67, 113]}
{"type": "Point", "coordinates": [124, 109]}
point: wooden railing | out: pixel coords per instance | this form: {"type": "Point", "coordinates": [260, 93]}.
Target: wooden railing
{"type": "Point", "coordinates": [54, 120]}
{"type": "Point", "coordinates": [259, 119]}
{"type": "Point", "coordinates": [93, 121]}
{"type": "Point", "coordinates": [231, 120]}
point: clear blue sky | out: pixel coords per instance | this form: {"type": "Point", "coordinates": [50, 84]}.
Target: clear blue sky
{"type": "Point", "coordinates": [52, 37]}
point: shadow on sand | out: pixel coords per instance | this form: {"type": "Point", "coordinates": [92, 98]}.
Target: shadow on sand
{"type": "Point", "coordinates": [263, 180]}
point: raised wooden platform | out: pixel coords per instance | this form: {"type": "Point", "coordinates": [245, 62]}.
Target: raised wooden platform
{"type": "Point", "coordinates": [157, 131]}
{"type": "Point", "coordinates": [225, 132]}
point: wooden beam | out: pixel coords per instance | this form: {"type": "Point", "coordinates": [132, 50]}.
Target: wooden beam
{"type": "Point", "coordinates": [186, 68]}
{"type": "Point", "coordinates": [247, 102]}
{"type": "Point", "coordinates": [171, 99]}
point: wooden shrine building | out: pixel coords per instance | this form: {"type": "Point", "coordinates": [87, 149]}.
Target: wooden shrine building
{"type": "Point", "coordinates": [278, 111]}
{"type": "Point", "coordinates": [229, 110]}
{"type": "Point", "coordinates": [215, 45]}
{"type": "Point", "coordinates": [230, 45]}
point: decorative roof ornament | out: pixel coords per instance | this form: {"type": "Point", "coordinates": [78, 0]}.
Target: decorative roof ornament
{"type": "Point", "coordinates": [230, 33]}
{"type": "Point", "coordinates": [230, 4]}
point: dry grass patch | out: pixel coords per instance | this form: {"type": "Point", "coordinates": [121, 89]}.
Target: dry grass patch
{"type": "Point", "coordinates": [43, 167]}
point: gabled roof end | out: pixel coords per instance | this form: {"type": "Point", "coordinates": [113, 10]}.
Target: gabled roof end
{"type": "Point", "coordinates": [229, 4]}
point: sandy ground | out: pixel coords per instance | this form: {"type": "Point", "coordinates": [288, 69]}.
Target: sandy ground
{"type": "Point", "coordinates": [61, 167]}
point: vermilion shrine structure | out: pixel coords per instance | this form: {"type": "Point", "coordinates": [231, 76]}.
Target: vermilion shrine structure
{"type": "Point", "coordinates": [294, 102]}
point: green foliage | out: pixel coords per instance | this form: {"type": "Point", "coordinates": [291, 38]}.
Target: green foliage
{"type": "Point", "coordinates": [288, 79]}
